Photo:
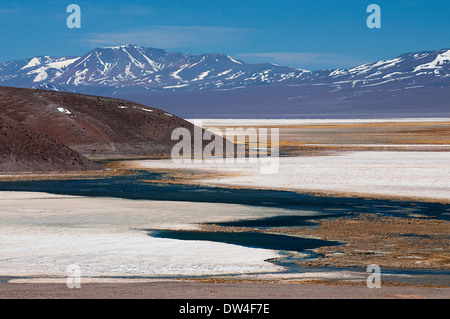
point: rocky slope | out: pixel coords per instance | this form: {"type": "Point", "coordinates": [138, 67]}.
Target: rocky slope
{"type": "Point", "coordinates": [47, 130]}
{"type": "Point", "coordinates": [24, 150]}
{"type": "Point", "coordinates": [93, 125]}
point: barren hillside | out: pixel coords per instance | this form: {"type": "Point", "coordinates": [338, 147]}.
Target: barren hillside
{"type": "Point", "coordinates": [93, 125]}
{"type": "Point", "coordinates": [53, 131]}
{"type": "Point", "coordinates": [24, 150]}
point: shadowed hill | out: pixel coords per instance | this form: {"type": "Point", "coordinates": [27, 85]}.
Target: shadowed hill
{"type": "Point", "coordinates": [93, 125]}
{"type": "Point", "coordinates": [51, 131]}
{"type": "Point", "coordinates": [24, 150]}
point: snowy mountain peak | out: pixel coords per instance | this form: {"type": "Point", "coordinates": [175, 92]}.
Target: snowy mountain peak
{"type": "Point", "coordinates": [122, 47]}
{"type": "Point", "coordinates": [33, 62]}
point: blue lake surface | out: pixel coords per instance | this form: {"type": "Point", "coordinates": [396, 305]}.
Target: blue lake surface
{"type": "Point", "coordinates": [248, 239]}
{"type": "Point", "coordinates": [134, 187]}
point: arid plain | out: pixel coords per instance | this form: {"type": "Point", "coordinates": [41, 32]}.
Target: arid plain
{"type": "Point", "coordinates": [399, 160]}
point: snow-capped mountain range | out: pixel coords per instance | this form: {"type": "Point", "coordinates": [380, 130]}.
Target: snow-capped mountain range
{"type": "Point", "coordinates": [148, 75]}
{"type": "Point", "coordinates": [135, 66]}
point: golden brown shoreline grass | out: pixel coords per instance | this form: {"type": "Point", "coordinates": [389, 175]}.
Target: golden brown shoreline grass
{"type": "Point", "coordinates": [397, 133]}
{"type": "Point", "coordinates": [391, 242]}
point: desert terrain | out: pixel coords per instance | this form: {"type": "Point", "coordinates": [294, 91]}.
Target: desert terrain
{"type": "Point", "coordinates": [404, 160]}
{"type": "Point", "coordinates": [392, 160]}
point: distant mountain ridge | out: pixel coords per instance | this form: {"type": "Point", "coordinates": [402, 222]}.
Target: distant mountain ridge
{"type": "Point", "coordinates": [135, 66]}
{"type": "Point", "coordinates": [194, 84]}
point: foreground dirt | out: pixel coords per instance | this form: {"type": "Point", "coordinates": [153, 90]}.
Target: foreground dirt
{"type": "Point", "coordinates": [214, 290]}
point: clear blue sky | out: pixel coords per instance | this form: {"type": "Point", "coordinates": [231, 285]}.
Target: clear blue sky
{"type": "Point", "coordinates": [309, 34]}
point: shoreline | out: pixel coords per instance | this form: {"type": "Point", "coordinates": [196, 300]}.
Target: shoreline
{"type": "Point", "coordinates": [118, 232]}
{"type": "Point", "coordinates": [228, 178]}
{"type": "Point", "coordinates": [324, 235]}
{"type": "Point", "coordinates": [187, 177]}
{"type": "Point", "coordinates": [175, 178]}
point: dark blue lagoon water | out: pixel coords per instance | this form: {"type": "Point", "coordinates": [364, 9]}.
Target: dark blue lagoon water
{"type": "Point", "coordinates": [248, 239]}
{"type": "Point", "coordinates": [136, 187]}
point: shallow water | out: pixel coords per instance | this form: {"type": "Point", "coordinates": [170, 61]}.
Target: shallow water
{"type": "Point", "coordinates": [280, 221]}
{"type": "Point", "coordinates": [306, 211]}
{"type": "Point", "coordinates": [248, 239]}
{"type": "Point", "coordinates": [134, 187]}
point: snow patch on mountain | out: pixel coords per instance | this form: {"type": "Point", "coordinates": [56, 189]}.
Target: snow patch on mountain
{"type": "Point", "coordinates": [33, 62]}
{"type": "Point", "coordinates": [437, 63]}
{"type": "Point", "coordinates": [202, 76]}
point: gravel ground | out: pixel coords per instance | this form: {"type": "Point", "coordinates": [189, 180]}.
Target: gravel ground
{"type": "Point", "coordinates": [213, 290]}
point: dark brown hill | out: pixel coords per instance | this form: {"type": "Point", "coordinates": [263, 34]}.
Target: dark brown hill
{"type": "Point", "coordinates": [24, 150]}
{"type": "Point", "coordinates": [93, 125]}
{"type": "Point", "coordinates": [51, 131]}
